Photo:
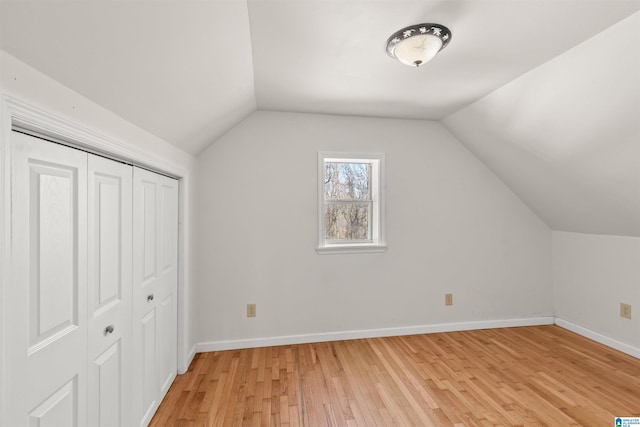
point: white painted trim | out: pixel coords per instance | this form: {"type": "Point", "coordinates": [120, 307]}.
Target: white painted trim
{"type": "Point", "coordinates": [189, 359]}
{"type": "Point", "coordinates": [184, 255]}
{"type": "Point", "coordinates": [351, 249]}
{"type": "Point", "coordinates": [35, 119]}
{"type": "Point", "coordinates": [602, 339]}
{"type": "Point", "coordinates": [413, 330]}
{"type": "Point", "coordinates": [16, 112]}
{"type": "Point", "coordinates": [371, 333]}
{"type": "Point", "coordinates": [5, 241]}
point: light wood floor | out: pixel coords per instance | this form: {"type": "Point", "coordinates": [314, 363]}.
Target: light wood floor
{"type": "Point", "coordinates": [532, 376]}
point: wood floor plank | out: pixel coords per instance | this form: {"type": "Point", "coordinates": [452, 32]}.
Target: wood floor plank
{"type": "Point", "coordinates": [530, 376]}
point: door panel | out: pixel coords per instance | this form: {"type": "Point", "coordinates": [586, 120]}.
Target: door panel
{"type": "Point", "coordinates": [108, 283]}
{"type": "Point", "coordinates": [48, 289]}
{"type": "Point", "coordinates": [59, 409]}
{"type": "Point", "coordinates": [108, 389]}
{"type": "Point", "coordinates": [54, 290]}
{"type": "Point", "coordinates": [149, 354]}
{"type": "Point", "coordinates": [150, 221]}
{"type": "Point", "coordinates": [109, 291]}
{"type": "Point", "coordinates": [169, 211]}
{"type": "Point", "coordinates": [167, 353]}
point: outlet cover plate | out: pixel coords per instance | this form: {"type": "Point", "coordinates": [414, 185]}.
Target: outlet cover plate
{"type": "Point", "coordinates": [625, 310]}
{"type": "Point", "coordinates": [251, 310]}
{"type": "Point", "coordinates": [448, 299]}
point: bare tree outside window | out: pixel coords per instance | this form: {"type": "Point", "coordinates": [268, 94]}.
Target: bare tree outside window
{"type": "Point", "coordinates": [348, 202]}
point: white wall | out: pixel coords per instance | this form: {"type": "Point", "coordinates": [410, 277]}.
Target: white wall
{"type": "Point", "coordinates": [592, 275]}
{"type": "Point", "coordinates": [28, 85]}
{"type": "Point", "coordinates": [452, 226]}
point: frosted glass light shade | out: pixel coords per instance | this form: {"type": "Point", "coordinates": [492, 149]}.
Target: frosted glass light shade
{"type": "Point", "coordinates": [418, 44]}
{"type": "Point", "coordinates": [418, 50]}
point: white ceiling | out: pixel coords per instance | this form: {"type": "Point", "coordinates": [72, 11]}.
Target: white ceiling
{"type": "Point", "coordinates": [189, 70]}
{"type": "Point", "coordinates": [328, 56]}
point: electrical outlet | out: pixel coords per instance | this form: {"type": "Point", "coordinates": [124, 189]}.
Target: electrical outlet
{"type": "Point", "coordinates": [251, 310]}
{"type": "Point", "coordinates": [625, 310]}
{"type": "Point", "coordinates": [448, 299]}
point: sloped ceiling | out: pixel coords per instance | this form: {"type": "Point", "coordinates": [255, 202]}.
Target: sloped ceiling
{"type": "Point", "coordinates": [180, 70]}
{"type": "Point", "coordinates": [189, 70]}
{"type": "Point", "coordinates": [566, 135]}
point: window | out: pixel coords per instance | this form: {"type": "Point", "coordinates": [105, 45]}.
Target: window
{"type": "Point", "coordinates": [350, 203]}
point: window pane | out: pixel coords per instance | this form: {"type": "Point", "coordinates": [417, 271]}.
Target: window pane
{"type": "Point", "coordinates": [346, 221]}
{"type": "Point", "coordinates": [347, 181]}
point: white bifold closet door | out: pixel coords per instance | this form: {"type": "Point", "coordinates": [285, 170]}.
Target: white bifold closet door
{"type": "Point", "coordinates": [155, 276]}
{"type": "Point", "coordinates": [91, 324]}
{"type": "Point", "coordinates": [70, 311]}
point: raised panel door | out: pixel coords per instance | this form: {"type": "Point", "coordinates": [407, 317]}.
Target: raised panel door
{"type": "Point", "coordinates": [155, 242]}
{"type": "Point", "coordinates": [109, 291]}
{"type": "Point", "coordinates": [47, 361]}
{"type": "Point", "coordinates": [168, 275]}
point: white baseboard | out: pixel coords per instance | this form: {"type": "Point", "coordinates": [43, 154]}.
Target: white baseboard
{"type": "Point", "coordinates": [602, 339]}
{"type": "Point", "coordinates": [190, 356]}
{"type": "Point", "coordinates": [411, 330]}
{"type": "Point", "coordinates": [370, 333]}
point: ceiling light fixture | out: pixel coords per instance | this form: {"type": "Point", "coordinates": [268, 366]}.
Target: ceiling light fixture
{"type": "Point", "coordinates": [418, 44]}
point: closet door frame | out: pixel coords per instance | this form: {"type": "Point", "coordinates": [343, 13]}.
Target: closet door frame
{"type": "Point", "coordinates": [16, 114]}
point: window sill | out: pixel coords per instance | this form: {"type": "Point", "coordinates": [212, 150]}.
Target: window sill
{"type": "Point", "coordinates": [351, 249]}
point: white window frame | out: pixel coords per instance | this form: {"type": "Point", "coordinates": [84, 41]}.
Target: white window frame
{"type": "Point", "coordinates": [377, 218]}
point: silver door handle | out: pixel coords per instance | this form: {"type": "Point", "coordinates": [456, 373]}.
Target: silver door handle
{"type": "Point", "coordinates": [109, 329]}
{"type": "Point", "coordinates": [149, 297]}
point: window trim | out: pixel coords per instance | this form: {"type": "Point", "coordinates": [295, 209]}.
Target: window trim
{"type": "Point", "coordinates": [377, 243]}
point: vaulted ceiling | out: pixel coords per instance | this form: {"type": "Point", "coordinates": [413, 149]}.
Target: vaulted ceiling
{"type": "Point", "coordinates": [512, 85]}
{"type": "Point", "coordinates": [566, 136]}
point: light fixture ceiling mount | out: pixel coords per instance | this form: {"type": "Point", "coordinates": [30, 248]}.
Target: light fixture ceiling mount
{"type": "Point", "coordinates": [418, 44]}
